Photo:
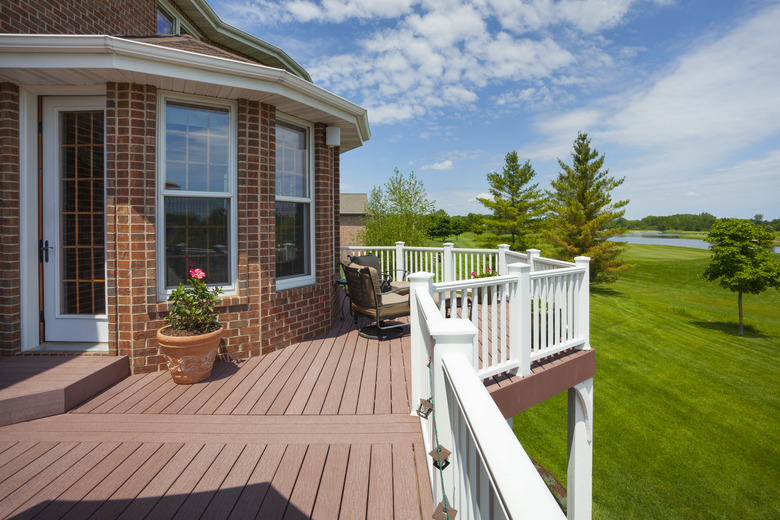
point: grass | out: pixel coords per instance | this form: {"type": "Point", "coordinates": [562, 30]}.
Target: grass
{"type": "Point", "coordinates": [686, 412]}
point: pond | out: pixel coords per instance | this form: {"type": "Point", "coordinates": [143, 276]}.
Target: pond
{"type": "Point", "coordinates": [666, 239]}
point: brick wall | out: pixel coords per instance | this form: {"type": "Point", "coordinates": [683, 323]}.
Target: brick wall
{"type": "Point", "coordinates": [350, 227]}
{"type": "Point", "coordinates": [293, 315]}
{"type": "Point", "coordinates": [10, 293]}
{"type": "Point", "coordinates": [116, 17]}
{"type": "Point", "coordinates": [130, 224]}
{"type": "Point", "coordinates": [259, 318]}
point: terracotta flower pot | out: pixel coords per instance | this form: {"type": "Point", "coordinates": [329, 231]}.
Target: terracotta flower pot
{"type": "Point", "coordinates": [190, 358]}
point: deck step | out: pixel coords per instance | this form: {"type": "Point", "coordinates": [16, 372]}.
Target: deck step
{"type": "Point", "coordinates": [40, 386]}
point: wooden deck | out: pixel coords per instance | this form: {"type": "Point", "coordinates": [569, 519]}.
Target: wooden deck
{"type": "Point", "coordinates": [320, 429]}
{"type": "Point", "coordinates": [317, 430]}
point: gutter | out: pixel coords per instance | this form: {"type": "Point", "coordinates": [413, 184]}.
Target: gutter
{"type": "Point", "coordinates": [50, 45]}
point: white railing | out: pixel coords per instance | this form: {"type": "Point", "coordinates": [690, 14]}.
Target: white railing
{"type": "Point", "coordinates": [490, 476]}
{"type": "Point", "coordinates": [447, 263]}
{"type": "Point", "coordinates": [536, 308]}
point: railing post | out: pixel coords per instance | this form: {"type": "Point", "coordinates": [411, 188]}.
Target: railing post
{"type": "Point", "coordinates": [583, 301]}
{"type": "Point", "coordinates": [502, 249]}
{"type": "Point", "coordinates": [400, 263]}
{"type": "Point", "coordinates": [520, 317]}
{"type": "Point", "coordinates": [533, 254]}
{"type": "Point", "coordinates": [419, 350]}
{"type": "Point", "coordinates": [448, 261]}
{"type": "Point", "coordinates": [457, 337]}
{"type": "Point", "coordinates": [580, 451]}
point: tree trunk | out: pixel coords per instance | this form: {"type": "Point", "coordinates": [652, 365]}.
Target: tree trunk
{"type": "Point", "coordinates": [739, 302]}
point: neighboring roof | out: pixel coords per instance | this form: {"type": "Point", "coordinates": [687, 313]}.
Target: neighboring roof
{"type": "Point", "coordinates": [91, 60]}
{"type": "Point", "coordinates": [205, 19]}
{"type": "Point", "coordinates": [353, 203]}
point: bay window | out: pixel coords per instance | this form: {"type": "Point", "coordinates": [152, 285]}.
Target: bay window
{"type": "Point", "coordinates": [196, 191]}
{"type": "Point", "coordinates": [294, 205]}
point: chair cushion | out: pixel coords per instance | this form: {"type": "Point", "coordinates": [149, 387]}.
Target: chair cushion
{"type": "Point", "coordinates": [403, 286]}
{"type": "Point", "coordinates": [370, 288]}
{"type": "Point", "coordinates": [368, 260]}
{"type": "Point", "coordinates": [372, 261]}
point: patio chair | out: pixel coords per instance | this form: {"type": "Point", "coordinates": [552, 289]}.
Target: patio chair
{"type": "Point", "coordinates": [382, 307]}
{"type": "Point", "coordinates": [385, 279]}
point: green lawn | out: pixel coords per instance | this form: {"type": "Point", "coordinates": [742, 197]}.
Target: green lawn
{"type": "Point", "coordinates": [687, 413]}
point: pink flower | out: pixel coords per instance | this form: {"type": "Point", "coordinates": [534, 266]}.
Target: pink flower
{"type": "Point", "coordinates": [472, 273]}
{"type": "Point", "coordinates": [488, 269]}
{"type": "Point", "coordinates": [197, 273]}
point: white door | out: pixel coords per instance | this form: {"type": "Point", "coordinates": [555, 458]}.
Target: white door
{"type": "Point", "coordinates": [73, 219]}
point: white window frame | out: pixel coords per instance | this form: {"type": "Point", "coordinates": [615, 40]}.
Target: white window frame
{"type": "Point", "coordinates": [229, 289]}
{"type": "Point", "coordinates": [179, 23]}
{"type": "Point", "coordinates": [290, 282]}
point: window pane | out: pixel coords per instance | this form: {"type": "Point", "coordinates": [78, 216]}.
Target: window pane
{"type": "Point", "coordinates": [196, 147]}
{"type": "Point", "coordinates": [291, 164]}
{"type": "Point", "coordinates": [82, 230]}
{"type": "Point", "coordinates": [164, 23]}
{"type": "Point", "coordinates": [292, 239]}
{"type": "Point", "coordinates": [196, 235]}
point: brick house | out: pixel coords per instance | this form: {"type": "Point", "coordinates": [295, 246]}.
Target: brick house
{"type": "Point", "coordinates": [143, 137]}
{"type": "Point", "coordinates": [352, 217]}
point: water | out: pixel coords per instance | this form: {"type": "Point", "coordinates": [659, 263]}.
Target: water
{"type": "Point", "coordinates": [657, 239]}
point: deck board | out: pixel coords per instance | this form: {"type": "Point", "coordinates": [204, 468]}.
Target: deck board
{"type": "Point", "coordinates": [328, 500]}
{"type": "Point", "coordinates": [380, 486]}
{"type": "Point", "coordinates": [352, 379]}
{"type": "Point", "coordinates": [354, 501]}
{"type": "Point", "coordinates": [259, 483]}
{"type": "Point", "coordinates": [220, 506]}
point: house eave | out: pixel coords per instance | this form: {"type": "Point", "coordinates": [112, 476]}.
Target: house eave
{"type": "Point", "coordinates": [41, 60]}
{"type": "Point", "coordinates": [219, 32]}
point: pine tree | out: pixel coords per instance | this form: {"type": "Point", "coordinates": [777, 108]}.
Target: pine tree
{"type": "Point", "coordinates": [517, 206]}
{"type": "Point", "coordinates": [581, 207]}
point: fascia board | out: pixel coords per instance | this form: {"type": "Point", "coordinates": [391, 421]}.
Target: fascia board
{"type": "Point", "coordinates": [108, 52]}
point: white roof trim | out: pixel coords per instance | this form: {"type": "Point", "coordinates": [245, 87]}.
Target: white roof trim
{"type": "Point", "coordinates": [216, 30]}
{"type": "Point", "coordinates": [47, 59]}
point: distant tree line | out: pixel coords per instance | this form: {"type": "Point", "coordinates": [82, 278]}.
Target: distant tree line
{"type": "Point", "coordinates": [685, 222]}
{"type": "Point", "coordinates": [680, 222]}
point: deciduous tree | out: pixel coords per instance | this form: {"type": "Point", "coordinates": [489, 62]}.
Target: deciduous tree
{"type": "Point", "coordinates": [741, 259]}
{"type": "Point", "coordinates": [439, 224]}
{"type": "Point", "coordinates": [397, 213]}
{"type": "Point", "coordinates": [580, 210]}
{"type": "Point", "coordinates": [517, 205]}
{"type": "Point", "coordinates": [458, 226]}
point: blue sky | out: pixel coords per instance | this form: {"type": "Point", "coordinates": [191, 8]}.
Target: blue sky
{"type": "Point", "coordinates": [682, 96]}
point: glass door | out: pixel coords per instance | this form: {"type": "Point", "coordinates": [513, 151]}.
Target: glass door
{"type": "Point", "coordinates": [73, 216]}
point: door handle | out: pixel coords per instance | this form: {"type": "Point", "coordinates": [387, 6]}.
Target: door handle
{"type": "Point", "coordinates": [44, 252]}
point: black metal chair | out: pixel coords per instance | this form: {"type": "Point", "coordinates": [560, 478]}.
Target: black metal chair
{"type": "Point", "coordinates": [382, 307]}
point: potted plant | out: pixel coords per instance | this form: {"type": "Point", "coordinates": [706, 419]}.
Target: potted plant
{"type": "Point", "coordinates": [191, 339]}
{"type": "Point", "coordinates": [487, 273]}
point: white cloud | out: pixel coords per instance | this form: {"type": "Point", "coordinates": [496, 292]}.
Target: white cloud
{"type": "Point", "coordinates": [585, 15]}
{"type": "Point", "coordinates": [444, 165]}
{"type": "Point", "coordinates": [719, 98]}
